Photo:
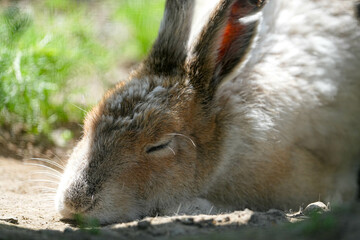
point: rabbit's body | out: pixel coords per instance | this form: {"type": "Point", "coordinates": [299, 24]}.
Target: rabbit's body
{"type": "Point", "coordinates": [253, 117]}
{"type": "Point", "coordinates": [294, 110]}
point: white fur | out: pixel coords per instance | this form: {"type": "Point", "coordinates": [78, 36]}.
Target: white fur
{"type": "Point", "coordinates": [298, 92]}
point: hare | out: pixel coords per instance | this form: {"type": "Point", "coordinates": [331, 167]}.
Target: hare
{"type": "Point", "coordinates": [261, 111]}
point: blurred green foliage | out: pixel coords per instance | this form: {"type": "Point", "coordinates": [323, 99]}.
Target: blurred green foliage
{"type": "Point", "coordinates": [90, 225]}
{"type": "Point", "coordinates": [142, 18]}
{"type": "Point", "coordinates": [44, 50]}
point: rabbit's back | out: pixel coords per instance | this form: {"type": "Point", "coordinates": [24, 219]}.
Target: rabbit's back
{"type": "Point", "coordinates": [294, 107]}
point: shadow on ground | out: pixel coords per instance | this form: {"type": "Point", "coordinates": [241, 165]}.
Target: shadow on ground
{"type": "Point", "coordinates": [342, 223]}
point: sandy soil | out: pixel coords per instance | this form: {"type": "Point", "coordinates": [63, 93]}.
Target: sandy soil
{"type": "Point", "coordinates": [27, 213]}
{"type": "Point", "coordinates": [20, 199]}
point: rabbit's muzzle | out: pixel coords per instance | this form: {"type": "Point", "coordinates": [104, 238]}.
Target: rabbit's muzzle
{"type": "Point", "coordinates": [77, 199]}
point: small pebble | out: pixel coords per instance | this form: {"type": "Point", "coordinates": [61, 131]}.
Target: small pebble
{"type": "Point", "coordinates": [206, 223]}
{"type": "Point", "coordinates": [68, 230]}
{"type": "Point", "coordinates": [187, 221]}
{"type": "Point", "coordinates": [12, 220]}
{"type": "Point", "coordinates": [316, 207]}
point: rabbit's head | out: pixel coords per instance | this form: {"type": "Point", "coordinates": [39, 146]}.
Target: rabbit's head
{"type": "Point", "coordinates": [154, 140]}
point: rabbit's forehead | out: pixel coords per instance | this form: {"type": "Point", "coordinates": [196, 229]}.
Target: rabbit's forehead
{"type": "Point", "coordinates": [137, 93]}
{"type": "Point", "coordinates": [141, 104]}
{"type": "Point", "coordinates": [135, 99]}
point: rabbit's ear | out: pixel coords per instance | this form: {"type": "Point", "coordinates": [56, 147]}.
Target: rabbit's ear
{"type": "Point", "coordinates": [169, 51]}
{"type": "Point", "coordinates": [222, 44]}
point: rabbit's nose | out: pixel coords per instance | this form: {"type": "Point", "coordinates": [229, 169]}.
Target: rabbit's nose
{"type": "Point", "coordinates": [76, 199]}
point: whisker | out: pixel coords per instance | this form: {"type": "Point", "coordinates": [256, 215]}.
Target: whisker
{"type": "Point", "coordinates": [182, 135]}
{"type": "Point", "coordinates": [61, 162]}
{"type": "Point", "coordinates": [43, 180]}
{"type": "Point", "coordinates": [49, 162]}
{"type": "Point", "coordinates": [58, 158]}
{"type": "Point", "coordinates": [42, 192]}
{"type": "Point", "coordinates": [57, 176]}
{"type": "Point", "coordinates": [172, 150]}
{"type": "Point", "coordinates": [79, 108]}
{"type": "Point", "coordinates": [178, 210]}
{"type": "Point", "coordinates": [40, 165]}
{"type": "Point", "coordinates": [210, 210]}
{"type": "Point", "coordinates": [45, 189]}
{"type": "Point", "coordinates": [48, 195]}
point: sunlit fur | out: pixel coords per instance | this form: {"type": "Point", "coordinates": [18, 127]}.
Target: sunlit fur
{"type": "Point", "coordinates": [281, 129]}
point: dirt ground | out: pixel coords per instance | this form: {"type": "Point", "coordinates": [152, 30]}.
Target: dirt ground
{"type": "Point", "coordinates": [27, 213]}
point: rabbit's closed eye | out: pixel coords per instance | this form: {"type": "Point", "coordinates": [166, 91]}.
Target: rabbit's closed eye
{"type": "Point", "coordinates": [158, 146]}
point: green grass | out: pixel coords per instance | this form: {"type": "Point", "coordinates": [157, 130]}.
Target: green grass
{"type": "Point", "coordinates": [142, 18]}
{"type": "Point", "coordinates": [45, 50]}
{"type": "Point", "coordinates": [90, 225]}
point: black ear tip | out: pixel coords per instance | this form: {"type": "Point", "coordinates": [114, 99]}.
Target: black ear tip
{"type": "Point", "coordinates": [357, 9]}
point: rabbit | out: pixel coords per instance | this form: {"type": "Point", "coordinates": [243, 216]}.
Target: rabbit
{"type": "Point", "coordinates": [260, 110]}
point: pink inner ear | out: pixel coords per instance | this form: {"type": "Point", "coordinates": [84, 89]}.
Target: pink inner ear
{"type": "Point", "coordinates": [233, 29]}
